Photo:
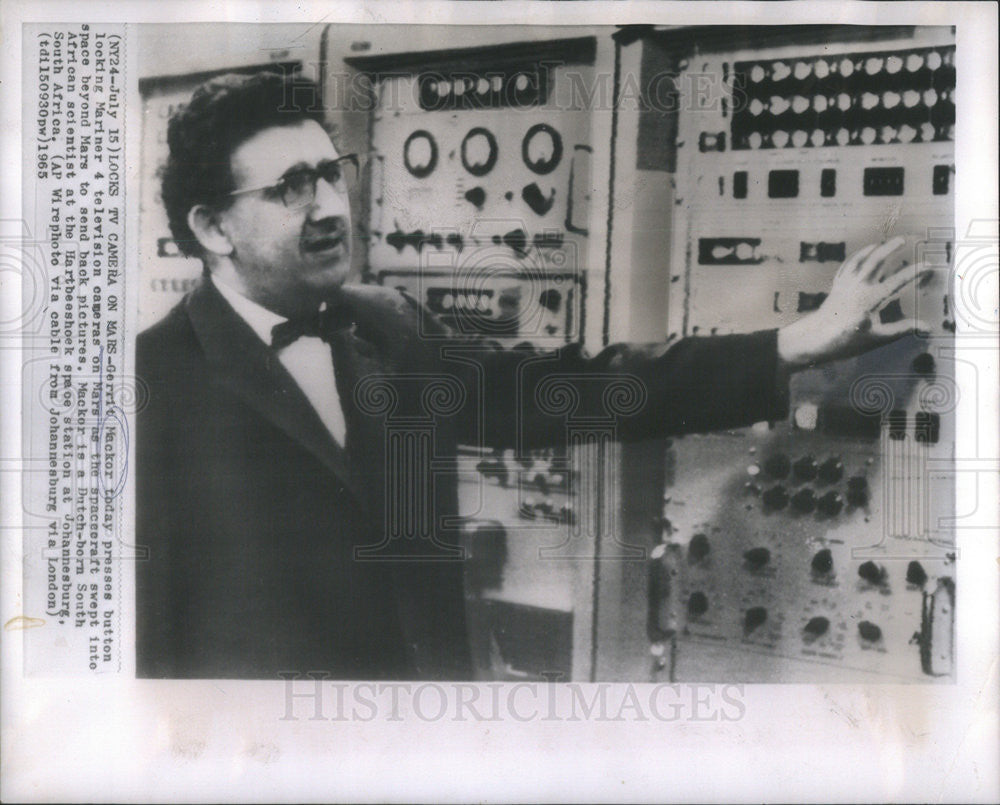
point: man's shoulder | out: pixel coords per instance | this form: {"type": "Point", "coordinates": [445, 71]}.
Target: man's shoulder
{"type": "Point", "coordinates": [170, 336]}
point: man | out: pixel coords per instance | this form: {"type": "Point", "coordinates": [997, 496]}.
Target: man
{"type": "Point", "coordinates": [264, 491]}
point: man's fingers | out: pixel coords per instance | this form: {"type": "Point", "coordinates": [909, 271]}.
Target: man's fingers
{"type": "Point", "coordinates": [897, 329]}
{"type": "Point", "coordinates": [870, 266]}
{"type": "Point", "coordinates": [912, 274]}
{"type": "Point", "coordinates": [850, 265]}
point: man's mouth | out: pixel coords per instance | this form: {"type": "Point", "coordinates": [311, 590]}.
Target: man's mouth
{"type": "Point", "coordinates": [318, 244]}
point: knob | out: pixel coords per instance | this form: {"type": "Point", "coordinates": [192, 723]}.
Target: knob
{"type": "Point", "coordinates": [804, 501]}
{"type": "Point", "coordinates": [822, 562]}
{"type": "Point", "coordinates": [697, 604]}
{"type": "Point", "coordinates": [545, 507]}
{"type": "Point", "coordinates": [817, 626]}
{"type": "Point", "coordinates": [830, 504]}
{"type": "Point", "coordinates": [915, 574]}
{"type": "Point", "coordinates": [806, 469]}
{"type": "Point", "coordinates": [923, 364]}
{"type": "Point", "coordinates": [778, 465]}
{"type": "Point", "coordinates": [493, 468]}
{"type": "Point", "coordinates": [756, 558]}
{"type": "Point", "coordinates": [831, 470]}
{"type": "Point", "coordinates": [754, 617]}
{"type": "Point", "coordinates": [857, 491]}
{"type": "Point", "coordinates": [872, 573]}
{"type": "Point", "coordinates": [869, 631]}
{"type": "Point", "coordinates": [698, 548]}
{"type": "Point", "coordinates": [776, 497]}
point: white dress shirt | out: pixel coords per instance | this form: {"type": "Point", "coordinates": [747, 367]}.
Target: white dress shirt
{"type": "Point", "coordinates": [308, 360]}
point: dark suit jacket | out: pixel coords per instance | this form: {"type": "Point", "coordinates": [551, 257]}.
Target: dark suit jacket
{"type": "Point", "coordinates": [271, 549]}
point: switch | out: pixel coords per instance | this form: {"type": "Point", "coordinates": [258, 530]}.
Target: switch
{"type": "Point", "coordinates": [697, 604]}
{"type": "Point", "coordinates": [756, 558]}
{"type": "Point", "coordinates": [783, 184]}
{"type": "Point", "coordinates": [857, 491]}
{"type": "Point", "coordinates": [897, 425]}
{"type": "Point", "coordinates": [883, 182]}
{"type": "Point", "coordinates": [822, 252]}
{"type": "Point", "coordinates": [941, 179]}
{"type": "Point", "coordinates": [776, 497]}
{"type": "Point", "coordinates": [810, 301]}
{"type": "Point", "coordinates": [817, 627]}
{"type": "Point", "coordinates": [804, 501]}
{"type": "Point", "coordinates": [891, 313]}
{"type": "Point", "coordinates": [806, 469]}
{"type": "Point", "coordinates": [728, 251]}
{"type": "Point", "coordinates": [869, 631]}
{"type": "Point", "coordinates": [822, 562]}
{"type": "Point", "coordinates": [740, 184]}
{"type": "Point", "coordinates": [927, 427]}
{"type": "Point", "coordinates": [698, 548]}
{"type": "Point", "coordinates": [831, 470]}
{"type": "Point", "coordinates": [753, 618]}
{"type": "Point", "coordinates": [778, 465]}
{"type": "Point", "coordinates": [712, 141]}
{"type": "Point", "coordinates": [872, 573]}
{"type": "Point", "coordinates": [830, 504]}
{"type": "Point", "coordinates": [915, 574]}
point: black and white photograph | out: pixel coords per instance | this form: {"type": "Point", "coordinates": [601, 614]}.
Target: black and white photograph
{"type": "Point", "coordinates": [591, 373]}
{"type": "Point", "coordinates": [434, 420]}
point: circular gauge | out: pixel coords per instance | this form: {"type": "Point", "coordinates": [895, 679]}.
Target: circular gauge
{"type": "Point", "coordinates": [420, 154]}
{"type": "Point", "coordinates": [479, 151]}
{"type": "Point", "coordinates": [542, 148]}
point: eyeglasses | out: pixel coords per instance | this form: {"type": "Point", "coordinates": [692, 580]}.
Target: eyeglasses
{"type": "Point", "coordinates": [297, 188]}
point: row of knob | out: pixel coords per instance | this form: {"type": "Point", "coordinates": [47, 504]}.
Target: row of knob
{"type": "Point", "coordinates": [779, 465]}
{"type": "Point", "coordinates": [542, 480]}
{"type": "Point", "coordinates": [821, 563]}
{"type": "Point", "coordinates": [546, 509]}
{"type": "Point", "coordinates": [887, 134]}
{"type": "Point", "coordinates": [805, 500]}
{"type": "Point", "coordinates": [755, 617]}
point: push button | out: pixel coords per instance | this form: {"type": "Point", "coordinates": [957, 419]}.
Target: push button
{"type": "Point", "coordinates": [822, 562]}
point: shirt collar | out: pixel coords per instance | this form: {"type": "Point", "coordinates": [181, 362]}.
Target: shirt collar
{"type": "Point", "coordinates": [260, 319]}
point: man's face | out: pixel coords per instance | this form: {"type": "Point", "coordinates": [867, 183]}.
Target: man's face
{"type": "Point", "coordinates": [289, 259]}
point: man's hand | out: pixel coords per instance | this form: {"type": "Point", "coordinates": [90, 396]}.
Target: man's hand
{"type": "Point", "coordinates": [847, 323]}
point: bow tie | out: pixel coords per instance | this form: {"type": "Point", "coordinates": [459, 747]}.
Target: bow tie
{"type": "Point", "coordinates": [321, 324]}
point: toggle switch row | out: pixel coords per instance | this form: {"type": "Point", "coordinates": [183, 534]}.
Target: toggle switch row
{"type": "Point", "coordinates": [904, 63]}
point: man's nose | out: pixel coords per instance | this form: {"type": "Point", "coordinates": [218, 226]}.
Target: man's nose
{"type": "Point", "coordinates": [331, 201]}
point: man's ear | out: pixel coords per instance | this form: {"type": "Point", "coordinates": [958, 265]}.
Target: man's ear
{"type": "Point", "coordinates": [204, 222]}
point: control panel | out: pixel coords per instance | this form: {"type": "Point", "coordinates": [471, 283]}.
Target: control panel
{"type": "Point", "coordinates": [478, 205]}
{"type": "Point", "coordinates": [816, 548]}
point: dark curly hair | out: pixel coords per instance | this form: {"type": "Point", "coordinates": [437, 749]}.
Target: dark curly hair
{"type": "Point", "coordinates": [223, 113]}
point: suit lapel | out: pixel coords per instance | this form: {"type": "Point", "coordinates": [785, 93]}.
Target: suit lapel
{"type": "Point", "coordinates": [251, 370]}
